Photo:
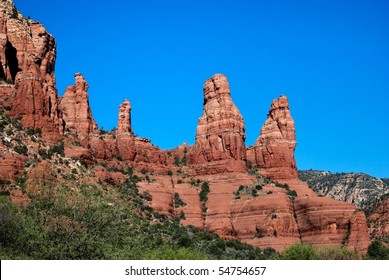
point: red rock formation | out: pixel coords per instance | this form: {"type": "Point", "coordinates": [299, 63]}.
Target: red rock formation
{"type": "Point", "coordinates": [74, 105]}
{"type": "Point", "coordinates": [379, 220]}
{"type": "Point", "coordinates": [358, 239]}
{"type": "Point", "coordinates": [27, 55]}
{"type": "Point", "coordinates": [273, 151]}
{"type": "Point", "coordinates": [220, 135]}
{"type": "Point", "coordinates": [11, 166]}
{"type": "Point", "coordinates": [327, 222]}
{"type": "Point", "coordinates": [124, 122]}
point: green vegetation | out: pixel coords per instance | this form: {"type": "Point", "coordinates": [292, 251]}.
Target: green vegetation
{"type": "Point", "coordinates": [100, 222]}
{"type": "Point", "coordinates": [21, 149]}
{"type": "Point", "coordinates": [248, 191]}
{"type": "Point", "coordinates": [181, 161]}
{"type": "Point", "coordinates": [32, 131]}
{"type": "Point", "coordinates": [204, 192]}
{"type": "Point", "coordinates": [378, 251]}
{"type": "Point", "coordinates": [178, 201]}
{"type": "Point", "coordinates": [57, 149]}
{"type": "Point", "coordinates": [308, 252]}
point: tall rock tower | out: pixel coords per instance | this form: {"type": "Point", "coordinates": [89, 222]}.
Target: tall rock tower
{"type": "Point", "coordinates": [220, 135]}
{"type": "Point", "coordinates": [273, 152]}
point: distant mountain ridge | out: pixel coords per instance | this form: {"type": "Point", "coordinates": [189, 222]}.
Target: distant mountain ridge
{"type": "Point", "coordinates": [357, 188]}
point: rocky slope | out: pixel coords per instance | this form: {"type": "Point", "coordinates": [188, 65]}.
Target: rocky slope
{"type": "Point", "coordinates": [356, 188]}
{"type": "Point", "coordinates": [366, 192]}
{"type": "Point", "coordinates": [208, 185]}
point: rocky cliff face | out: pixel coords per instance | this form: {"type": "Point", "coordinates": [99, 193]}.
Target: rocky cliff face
{"type": "Point", "coordinates": [356, 188]}
{"type": "Point", "coordinates": [207, 186]}
{"type": "Point", "coordinates": [378, 219]}
{"type": "Point", "coordinates": [27, 55]}
{"type": "Point", "coordinates": [220, 135]}
{"type": "Point", "coordinates": [77, 113]}
{"type": "Point", "coordinates": [273, 152]}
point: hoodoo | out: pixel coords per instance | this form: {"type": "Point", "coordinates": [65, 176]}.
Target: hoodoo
{"type": "Point", "coordinates": [76, 110]}
{"type": "Point", "coordinates": [273, 152]}
{"type": "Point", "coordinates": [220, 135]}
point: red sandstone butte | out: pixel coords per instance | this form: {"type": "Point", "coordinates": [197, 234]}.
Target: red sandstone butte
{"type": "Point", "coordinates": [220, 135]}
{"type": "Point", "coordinates": [273, 152]}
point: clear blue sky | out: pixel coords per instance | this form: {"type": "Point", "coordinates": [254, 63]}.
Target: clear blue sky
{"type": "Point", "coordinates": [331, 58]}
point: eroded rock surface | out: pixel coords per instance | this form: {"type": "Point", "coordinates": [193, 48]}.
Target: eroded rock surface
{"type": "Point", "coordinates": [220, 135]}
{"type": "Point", "coordinates": [77, 113]}
{"type": "Point", "coordinates": [27, 57]}
{"type": "Point", "coordinates": [273, 152]}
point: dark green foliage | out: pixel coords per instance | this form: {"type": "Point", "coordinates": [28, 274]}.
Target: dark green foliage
{"type": "Point", "coordinates": [21, 149]}
{"type": "Point", "coordinates": [178, 201]}
{"type": "Point", "coordinates": [44, 155]}
{"type": "Point", "coordinates": [378, 251]}
{"type": "Point", "coordinates": [176, 161]}
{"type": "Point", "coordinates": [21, 182]}
{"type": "Point", "coordinates": [57, 149]}
{"type": "Point", "coordinates": [119, 158]}
{"type": "Point", "coordinates": [292, 194]}
{"type": "Point", "coordinates": [204, 192]}
{"type": "Point", "coordinates": [184, 160]}
{"type": "Point", "coordinates": [4, 182]}
{"type": "Point", "coordinates": [251, 190]}
{"type": "Point", "coordinates": [32, 131]}
{"type": "Point", "coordinates": [143, 171]}
{"type": "Point", "coordinates": [170, 173]}
{"type": "Point", "coordinates": [85, 224]}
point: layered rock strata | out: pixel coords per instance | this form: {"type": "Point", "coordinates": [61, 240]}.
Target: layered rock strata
{"type": "Point", "coordinates": [77, 113]}
{"type": "Point", "coordinates": [220, 135]}
{"type": "Point", "coordinates": [27, 56]}
{"type": "Point", "coordinates": [124, 121]}
{"type": "Point", "coordinates": [273, 151]}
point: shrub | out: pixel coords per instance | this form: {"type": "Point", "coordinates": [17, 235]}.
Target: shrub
{"type": "Point", "coordinates": [204, 192]}
{"type": "Point", "coordinates": [292, 194]}
{"type": "Point", "coordinates": [299, 252]}
{"type": "Point", "coordinates": [143, 171]}
{"type": "Point", "coordinates": [57, 149]}
{"type": "Point", "coordinates": [378, 251]}
{"type": "Point", "coordinates": [178, 201]}
{"type": "Point", "coordinates": [21, 149]}
{"type": "Point", "coordinates": [176, 161]}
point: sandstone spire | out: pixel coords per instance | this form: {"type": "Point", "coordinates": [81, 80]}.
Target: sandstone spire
{"type": "Point", "coordinates": [220, 133]}
{"type": "Point", "coordinates": [124, 121]}
{"type": "Point", "coordinates": [76, 110]}
{"type": "Point", "coordinates": [273, 152]}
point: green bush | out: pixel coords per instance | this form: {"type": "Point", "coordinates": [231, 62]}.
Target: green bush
{"type": "Point", "coordinates": [204, 191]}
{"type": "Point", "coordinates": [178, 201]}
{"type": "Point", "coordinates": [308, 252]}
{"type": "Point", "coordinates": [21, 149]}
{"type": "Point", "coordinates": [57, 149]}
{"type": "Point", "coordinates": [378, 251]}
{"type": "Point", "coordinates": [299, 252]}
